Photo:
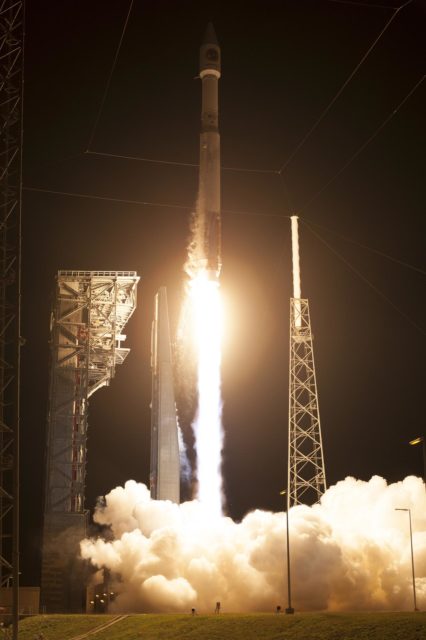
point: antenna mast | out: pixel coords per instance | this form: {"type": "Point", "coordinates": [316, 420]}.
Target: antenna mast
{"type": "Point", "coordinates": [306, 471]}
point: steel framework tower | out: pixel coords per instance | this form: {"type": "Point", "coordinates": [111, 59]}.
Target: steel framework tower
{"type": "Point", "coordinates": [89, 312]}
{"type": "Point", "coordinates": [306, 471]}
{"type": "Point", "coordinates": [11, 94]}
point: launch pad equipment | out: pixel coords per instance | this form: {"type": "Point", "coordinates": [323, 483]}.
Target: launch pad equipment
{"type": "Point", "coordinates": [90, 310]}
{"type": "Point", "coordinates": [165, 462]}
{"type": "Point", "coordinates": [306, 471]}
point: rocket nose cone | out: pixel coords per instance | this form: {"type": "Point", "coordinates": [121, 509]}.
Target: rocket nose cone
{"type": "Point", "coordinates": [210, 54]}
{"type": "Point", "coordinates": [210, 35]}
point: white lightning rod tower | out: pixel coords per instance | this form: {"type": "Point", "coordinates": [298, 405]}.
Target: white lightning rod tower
{"type": "Point", "coordinates": [306, 471]}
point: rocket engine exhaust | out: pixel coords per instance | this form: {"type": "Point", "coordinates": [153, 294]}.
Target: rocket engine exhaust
{"type": "Point", "coordinates": [203, 304]}
{"type": "Point", "coordinates": [350, 552]}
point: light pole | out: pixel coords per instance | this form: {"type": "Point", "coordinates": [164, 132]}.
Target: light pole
{"type": "Point", "coordinates": [289, 607]}
{"type": "Point", "coordinates": [412, 557]}
{"type": "Point", "coordinates": [421, 440]}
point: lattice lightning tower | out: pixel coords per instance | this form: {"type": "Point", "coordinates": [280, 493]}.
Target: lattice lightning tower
{"type": "Point", "coordinates": [11, 93]}
{"type": "Point", "coordinates": [306, 471]}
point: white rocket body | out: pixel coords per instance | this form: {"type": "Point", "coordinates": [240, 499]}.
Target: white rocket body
{"type": "Point", "coordinates": [209, 178]}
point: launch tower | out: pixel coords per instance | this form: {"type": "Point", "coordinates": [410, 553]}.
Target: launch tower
{"type": "Point", "coordinates": [90, 310]}
{"type": "Point", "coordinates": [306, 471]}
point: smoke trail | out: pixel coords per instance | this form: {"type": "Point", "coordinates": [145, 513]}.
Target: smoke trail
{"type": "Point", "coordinates": [196, 248]}
{"type": "Point", "coordinates": [351, 552]}
{"type": "Point", "coordinates": [185, 467]}
{"type": "Point", "coordinates": [199, 339]}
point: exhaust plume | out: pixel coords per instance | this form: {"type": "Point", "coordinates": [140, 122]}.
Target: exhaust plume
{"type": "Point", "coordinates": [199, 350]}
{"type": "Point", "coordinates": [350, 552]}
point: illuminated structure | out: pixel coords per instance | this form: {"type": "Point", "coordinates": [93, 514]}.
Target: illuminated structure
{"type": "Point", "coordinates": [165, 463]}
{"type": "Point", "coordinates": [90, 310]}
{"type": "Point", "coordinates": [306, 472]}
{"type": "Point", "coordinates": [11, 102]}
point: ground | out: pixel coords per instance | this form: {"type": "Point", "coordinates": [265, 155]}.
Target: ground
{"type": "Point", "coordinates": [261, 626]}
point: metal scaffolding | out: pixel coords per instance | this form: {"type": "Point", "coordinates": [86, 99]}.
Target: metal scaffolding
{"type": "Point", "coordinates": [306, 471]}
{"type": "Point", "coordinates": [11, 93]}
{"type": "Point", "coordinates": [89, 313]}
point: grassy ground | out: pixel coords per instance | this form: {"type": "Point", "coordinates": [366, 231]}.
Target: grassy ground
{"type": "Point", "coordinates": [327, 626]}
{"type": "Point", "coordinates": [55, 627]}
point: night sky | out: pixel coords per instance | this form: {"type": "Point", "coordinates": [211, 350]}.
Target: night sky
{"type": "Point", "coordinates": [282, 63]}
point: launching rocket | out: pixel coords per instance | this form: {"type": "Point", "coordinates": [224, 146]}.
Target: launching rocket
{"type": "Point", "coordinates": [209, 178]}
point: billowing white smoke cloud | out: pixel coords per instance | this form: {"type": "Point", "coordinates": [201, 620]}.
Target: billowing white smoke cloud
{"type": "Point", "coordinates": [350, 552]}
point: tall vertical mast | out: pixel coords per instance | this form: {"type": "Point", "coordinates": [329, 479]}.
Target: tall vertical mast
{"type": "Point", "coordinates": [209, 178]}
{"type": "Point", "coordinates": [12, 17]}
{"type": "Point", "coordinates": [165, 463]}
{"type": "Point", "coordinates": [306, 471]}
{"type": "Point", "coordinates": [296, 268]}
